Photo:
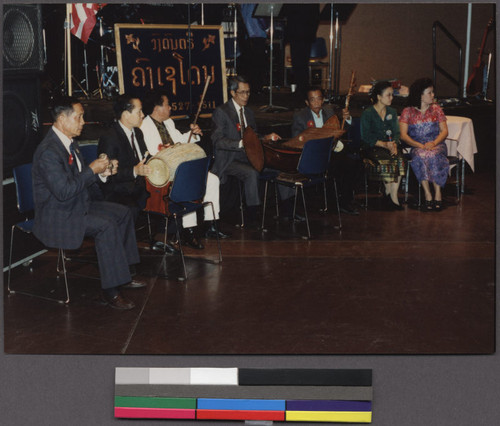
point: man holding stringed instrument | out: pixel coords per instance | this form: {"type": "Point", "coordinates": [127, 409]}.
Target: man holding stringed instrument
{"type": "Point", "coordinates": [344, 167]}
{"type": "Point", "coordinates": [160, 133]}
{"type": "Point", "coordinates": [229, 121]}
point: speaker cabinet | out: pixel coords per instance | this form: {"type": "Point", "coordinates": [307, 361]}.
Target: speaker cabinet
{"type": "Point", "coordinates": [21, 122]}
{"type": "Point", "coordinates": [22, 39]}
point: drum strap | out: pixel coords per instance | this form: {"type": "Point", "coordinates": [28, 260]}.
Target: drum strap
{"type": "Point", "coordinates": [166, 139]}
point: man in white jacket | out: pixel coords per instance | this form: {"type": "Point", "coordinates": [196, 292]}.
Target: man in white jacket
{"type": "Point", "coordinates": [159, 131]}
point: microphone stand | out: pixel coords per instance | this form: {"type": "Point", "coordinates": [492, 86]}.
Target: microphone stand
{"type": "Point", "coordinates": [270, 107]}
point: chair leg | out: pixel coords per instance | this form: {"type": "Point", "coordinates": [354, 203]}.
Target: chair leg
{"type": "Point", "coordinates": [241, 205]}
{"type": "Point", "coordinates": [10, 258]}
{"type": "Point", "coordinates": [407, 179]}
{"type": "Point", "coordinates": [61, 255]}
{"type": "Point", "coordinates": [458, 181]}
{"type": "Point", "coordinates": [337, 201]}
{"type": "Point", "coordinates": [180, 249]}
{"type": "Point", "coordinates": [366, 190]}
{"type": "Point", "coordinates": [305, 212]}
{"type": "Point", "coordinates": [276, 199]}
{"type": "Point", "coordinates": [149, 229]}
{"type": "Point", "coordinates": [217, 231]}
{"type": "Point", "coordinates": [264, 206]}
{"type": "Point", "coordinates": [60, 258]}
{"type": "Point", "coordinates": [463, 175]}
{"type": "Point", "coordinates": [324, 196]}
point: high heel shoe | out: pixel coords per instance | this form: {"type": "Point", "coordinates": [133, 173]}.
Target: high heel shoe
{"type": "Point", "coordinates": [438, 205]}
{"type": "Point", "coordinates": [394, 205]}
{"type": "Point", "coordinates": [428, 206]}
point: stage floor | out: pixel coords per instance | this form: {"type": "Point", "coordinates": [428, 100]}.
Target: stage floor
{"type": "Point", "coordinates": [390, 283]}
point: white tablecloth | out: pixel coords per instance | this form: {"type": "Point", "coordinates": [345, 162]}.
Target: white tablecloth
{"type": "Point", "coordinates": [461, 138]}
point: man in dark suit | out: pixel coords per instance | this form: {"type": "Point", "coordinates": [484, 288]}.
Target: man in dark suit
{"type": "Point", "coordinates": [65, 213]}
{"type": "Point", "coordinates": [228, 124]}
{"type": "Point", "coordinates": [124, 141]}
{"type": "Point", "coordinates": [345, 167]}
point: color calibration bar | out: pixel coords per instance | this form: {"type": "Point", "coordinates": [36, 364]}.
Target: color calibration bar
{"type": "Point", "coordinates": [322, 395]}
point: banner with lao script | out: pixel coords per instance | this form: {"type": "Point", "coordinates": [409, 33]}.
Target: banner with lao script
{"type": "Point", "coordinates": [175, 58]}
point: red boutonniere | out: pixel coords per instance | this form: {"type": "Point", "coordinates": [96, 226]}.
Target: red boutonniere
{"type": "Point", "coordinates": [70, 159]}
{"type": "Point", "coordinates": [238, 127]}
{"type": "Point", "coordinates": [310, 124]}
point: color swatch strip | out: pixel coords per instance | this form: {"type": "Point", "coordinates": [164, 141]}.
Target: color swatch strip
{"type": "Point", "coordinates": [319, 395]}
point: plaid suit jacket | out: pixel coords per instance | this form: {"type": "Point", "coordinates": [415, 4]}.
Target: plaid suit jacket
{"type": "Point", "coordinates": [61, 195]}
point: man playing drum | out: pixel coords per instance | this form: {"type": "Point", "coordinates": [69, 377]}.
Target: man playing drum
{"type": "Point", "coordinates": [160, 133]}
{"type": "Point", "coordinates": [345, 168]}
{"type": "Point", "coordinates": [124, 141]}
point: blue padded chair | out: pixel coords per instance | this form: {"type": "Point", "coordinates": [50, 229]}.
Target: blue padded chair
{"type": "Point", "coordinates": [89, 153]}
{"type": "Point", "coordinates": [312, 170]}
{"type": "Point", "coordinates": [318, 49]}
{"type": "Point", "coordinates": [25, 205]}
{"type": "Point", "coordinates": [186, 196]}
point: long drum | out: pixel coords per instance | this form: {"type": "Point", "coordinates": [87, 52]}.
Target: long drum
{"type": "Point", "coordinates": [165, 162]}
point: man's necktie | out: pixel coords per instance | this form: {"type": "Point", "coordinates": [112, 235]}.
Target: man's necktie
{"type": "Point", "coordinates": [74, 161]}
{"type": "Point", "coordinates": [137, 156]}
{"type": "Point", "coordinates": [242, 122]}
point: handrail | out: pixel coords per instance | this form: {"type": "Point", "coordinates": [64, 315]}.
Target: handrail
{"type": "Point", "coordinates": [436, 67]}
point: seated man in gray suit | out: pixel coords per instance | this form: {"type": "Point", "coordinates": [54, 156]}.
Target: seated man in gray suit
{"type": "Point", "coordinates": [229, 121]}
{"type": "Point", "coordinates": [65, 212]}
{"type": "Point", "coordinates": [345, 168]}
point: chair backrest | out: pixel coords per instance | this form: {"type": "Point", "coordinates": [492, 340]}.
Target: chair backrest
{"type": "Point", "coordinates": [315, 156]}
{"type": "Point", "coordinates": [24, 187]}
{"type": "Point", "coordinates": [89, 153]}
{"type": "Point", "coordinates": [318, 49]}
{"type": "Point", "coordinates": [190, 180]}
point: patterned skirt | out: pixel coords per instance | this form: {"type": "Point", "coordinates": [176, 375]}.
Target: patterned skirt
{"type": "Point", "coordinates": [382, 166]}
{"type": "Point", "coordinates": [432, 166]}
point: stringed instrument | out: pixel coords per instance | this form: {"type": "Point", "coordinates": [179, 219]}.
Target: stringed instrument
{"type": "Point", "coordinates": [475, 81]}
{"type": "Point", "coordinates": [352, 87]}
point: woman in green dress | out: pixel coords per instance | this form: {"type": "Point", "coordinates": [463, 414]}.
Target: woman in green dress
{"type": "Point", "coordinates": [380, 142]}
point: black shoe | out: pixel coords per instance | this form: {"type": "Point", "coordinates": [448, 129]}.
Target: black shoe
{"type": "Point", "coordinates": [116, 300]}
{"type": "Point", "coordinates": [428, 206]}
{"type": "Point", "coordinates": [160, 246]}
{"type": "Point", "coordinates": [134, 284]}
{"type": "Point", "coordinates": [349, 210]}
{"type": "Point", "coordinates": [190, 239]}
{"type": "Point", "coordinates": [438, 205]}
{"type": "Point", "coordinates": [213, 232]}
{"type": "Point", "coordinates": [393, 205]}
{"type": "Point", "coordinates": [296, 218]}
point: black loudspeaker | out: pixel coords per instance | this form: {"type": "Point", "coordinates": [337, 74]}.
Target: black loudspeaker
{"type": "Point", "coordinates": [22, 39]}
{"type": "Point", "coordinates": [21, 122]}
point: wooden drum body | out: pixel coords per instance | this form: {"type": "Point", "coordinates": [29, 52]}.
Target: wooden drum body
{"type": "Point", "coordinates": [165, 162]}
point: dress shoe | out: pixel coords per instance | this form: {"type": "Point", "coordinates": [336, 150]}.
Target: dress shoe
{"type": "Point", "coordinates": [213, 232]}
{"type": "Point", "coordinates": [349, 210]}
{"type": "Point", "coordinates": [117, 301]}
{"type": "Point", "coordinates": [134, 284]}
{"type": "Point", "coordinates": [161, 246]}
{"type": "Point", "coordinates": [437, 205]}
{"type": "Point", "coordinates": [190, 239]}
{"type": "Point", "coordinates": [393, 205]}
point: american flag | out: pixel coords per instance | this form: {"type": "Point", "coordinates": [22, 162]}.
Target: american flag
{"type": "Point", "coordinates": [83, 19]}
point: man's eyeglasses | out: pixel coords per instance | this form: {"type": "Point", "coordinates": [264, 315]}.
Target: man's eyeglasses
{"type": "Point", "coordinates": [243, 92]}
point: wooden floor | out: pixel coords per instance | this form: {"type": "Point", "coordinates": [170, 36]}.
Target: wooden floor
{"type": "Point", "coordinates": [389, 283]}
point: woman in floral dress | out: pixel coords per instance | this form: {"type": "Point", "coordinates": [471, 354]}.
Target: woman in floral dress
{"type": "Point", "coordinates": [380, 142]}
{"type": "Point", "coordinates": [423, 127]}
